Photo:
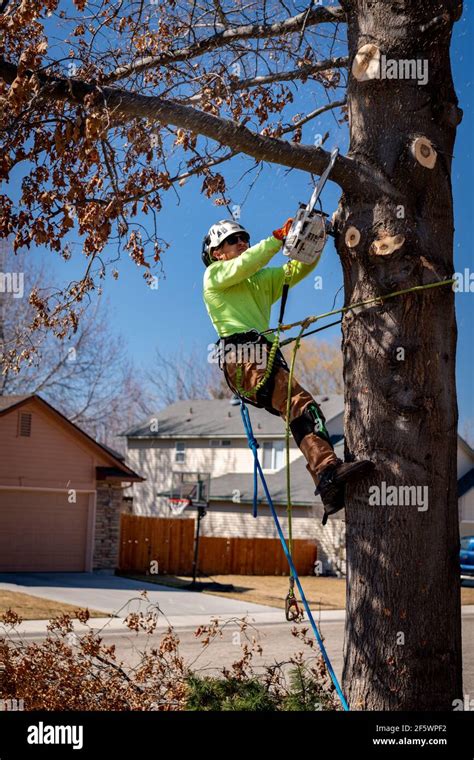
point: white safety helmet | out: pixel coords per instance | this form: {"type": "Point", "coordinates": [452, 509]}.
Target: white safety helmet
{"type": "Point", "coordinates": [217, 234]}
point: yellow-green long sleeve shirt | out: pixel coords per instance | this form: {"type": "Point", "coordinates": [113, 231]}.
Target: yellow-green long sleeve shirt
{"type": "Point", "coordinates": [239, 293]}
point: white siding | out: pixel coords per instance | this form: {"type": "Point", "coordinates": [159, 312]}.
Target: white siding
{"type": "Point", "coordinates": [466, 512]}
{"type": "Point", "coordinates": [155, 461]}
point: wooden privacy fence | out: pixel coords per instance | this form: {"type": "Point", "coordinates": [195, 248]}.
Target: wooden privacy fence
{"type": "Point", "coordinates": [254, 556]}
{"type": "Point", "coordinates": [165, 540]}
{"type": "Point", "coordinates": [170, 543]}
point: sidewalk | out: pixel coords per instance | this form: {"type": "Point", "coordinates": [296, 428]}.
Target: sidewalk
{"type": "Point", "coordinates": [179, 622]}
{"type": "Point", "coordinates": [182, 622]}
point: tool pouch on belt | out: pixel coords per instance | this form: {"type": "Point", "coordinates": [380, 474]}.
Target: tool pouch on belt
{"type": "Point", "coordinates": [263, 398]}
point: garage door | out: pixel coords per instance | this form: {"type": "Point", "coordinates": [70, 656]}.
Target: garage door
{"type": "Point", "coordinates": [40, 531]}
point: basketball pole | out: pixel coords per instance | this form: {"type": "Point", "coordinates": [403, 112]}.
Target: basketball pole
{"type": "Point", "coordinates": [201, 512]}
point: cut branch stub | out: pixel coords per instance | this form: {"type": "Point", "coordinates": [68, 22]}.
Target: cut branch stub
{"type": "Point", "coordinates": [423, 152]}
{"type": "Point", "coordinates": [352, 237]}
{"type": "Point", "coordinates": [386, 245]}
{"type": "Point", "coordinates": [366, 64]}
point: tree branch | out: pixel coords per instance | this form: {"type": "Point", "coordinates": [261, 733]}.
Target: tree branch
{"type": "Point", "coordinates": [350, 175]}
{"type": "Point", "coordinates": [313, 114]}
{"type": "Point", "coordinates": [220, 13]}
{"type": "Point", "coordinates": [282, 76]}
{"type": "Point", "coordinates": [318, 15]}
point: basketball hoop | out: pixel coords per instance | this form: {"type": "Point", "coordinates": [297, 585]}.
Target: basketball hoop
{"type": "Point", "coordinates": [177, 506]}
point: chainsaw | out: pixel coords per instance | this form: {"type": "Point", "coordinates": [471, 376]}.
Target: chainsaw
{"type": "Point", "coordinates": [308, 233]}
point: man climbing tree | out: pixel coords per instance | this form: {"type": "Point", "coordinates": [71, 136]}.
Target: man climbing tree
{"type": "Point", "coordinates": [239, 292]}
{"type": "Point", "coordinates": [136, 99]}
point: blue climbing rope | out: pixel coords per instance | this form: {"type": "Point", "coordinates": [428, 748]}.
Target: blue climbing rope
{"type": "Point", "coordinates": [253, 444]}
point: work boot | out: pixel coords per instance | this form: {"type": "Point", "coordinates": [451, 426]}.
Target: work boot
{"type": "Point", "coordinates": [319, 455]}
{"type": "Point", "coordinates": [332, 483]}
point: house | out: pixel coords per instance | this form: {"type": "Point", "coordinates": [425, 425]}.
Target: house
{"type": "Point", "coordinates": [207, 436]}
{"type": "Point", "coordinates": [465, 488]}
{"type": "Point", "coordinates": [61, 492]}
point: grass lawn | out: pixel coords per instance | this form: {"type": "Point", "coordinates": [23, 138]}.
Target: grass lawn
{"type": "Point", "coordinates": [35, 608]}
{"type": "Point", "coordinates": [326, 593]}
{"type": "Point", "coordinates": [271, 590]}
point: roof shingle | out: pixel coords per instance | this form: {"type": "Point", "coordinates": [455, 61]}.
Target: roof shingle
{"type": "Point", "coordinates": [207, 418]}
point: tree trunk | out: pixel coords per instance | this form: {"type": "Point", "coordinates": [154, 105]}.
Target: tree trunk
{"type": "Point", "coordinates": [403, 626]}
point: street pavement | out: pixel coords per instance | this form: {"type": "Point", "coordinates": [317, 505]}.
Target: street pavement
{"type": "Point", "coordinates": [118, 596]}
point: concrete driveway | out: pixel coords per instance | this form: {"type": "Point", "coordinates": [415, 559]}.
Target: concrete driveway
{"type": "Point", "coordinates": [119, 596]}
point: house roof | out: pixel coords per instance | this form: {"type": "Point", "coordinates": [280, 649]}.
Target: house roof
{"type": "Point", "coordinates": [208, 418]}
{"type": "Point", "coordinates": [466, 483]}
{"type": "Point", "coordinates": [302, 487]}
{"type": "Point", "coordinates": [8, 403]}
{"type": "Point", "coordinates": [467, 448]}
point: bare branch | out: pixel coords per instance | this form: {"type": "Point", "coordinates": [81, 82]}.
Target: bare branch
{"type": "Point", "coordinates": [281, 76]}
{"type": "Point", "coordinates": [314, 114]}
{"type": "Point", "coordinates": [316, 16]}
{"type": "Point", "coordinates": [220, 13]}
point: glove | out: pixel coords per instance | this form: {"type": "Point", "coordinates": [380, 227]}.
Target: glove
{"type": "Point", "coordinates": [281, 233]}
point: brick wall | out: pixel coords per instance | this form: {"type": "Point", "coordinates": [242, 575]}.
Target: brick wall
{"type": "Point", "coordinates": [109, 506]}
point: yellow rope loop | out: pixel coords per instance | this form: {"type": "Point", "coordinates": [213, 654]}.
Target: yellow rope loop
{"type": "Point", "coordinates": [376, 300]}
{"type": "Point", "coordinates": [270, 362]}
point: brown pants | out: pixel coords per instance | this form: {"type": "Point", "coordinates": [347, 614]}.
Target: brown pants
{"type": "Point", "coordinates": [317, 451]}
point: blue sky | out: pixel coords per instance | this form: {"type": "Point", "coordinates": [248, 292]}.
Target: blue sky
{"type": "Point", "coordinates": [173, 318]}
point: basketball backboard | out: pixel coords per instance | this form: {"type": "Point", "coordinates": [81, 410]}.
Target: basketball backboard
{"type": "Point", "coordinates": [190, 485]}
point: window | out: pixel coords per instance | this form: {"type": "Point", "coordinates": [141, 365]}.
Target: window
{"type": "Point", "coordinates": [180, 452]}
{"type": "Point", "coordinates": [217, 442]}
{"type": "Point", "coordinates": [273, 455]}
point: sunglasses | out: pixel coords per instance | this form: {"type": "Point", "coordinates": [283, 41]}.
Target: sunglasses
{"type": "Point", "coordinates": [237, 237]}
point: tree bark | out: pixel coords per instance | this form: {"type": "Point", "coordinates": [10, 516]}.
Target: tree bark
{"type": "Point", "coordinates": [403, 625]}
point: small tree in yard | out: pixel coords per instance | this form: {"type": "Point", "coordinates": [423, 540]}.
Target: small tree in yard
{"type": "Point", "coordinates": [140, 98]}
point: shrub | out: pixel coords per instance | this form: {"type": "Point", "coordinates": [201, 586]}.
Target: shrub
{"type": "Point", "coordinates": [69, 670]}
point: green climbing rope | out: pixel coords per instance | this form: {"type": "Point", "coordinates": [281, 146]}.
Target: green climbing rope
{"type": "Point", "coordinates": [376, 299]}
